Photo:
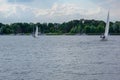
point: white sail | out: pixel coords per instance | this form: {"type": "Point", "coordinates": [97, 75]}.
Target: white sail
{"type": "Point", "coordinates": [107, 27]}
{"type": "Point", "coordinates": [105, 35]}
{"type": "Point", "coordinates": [36, 32]}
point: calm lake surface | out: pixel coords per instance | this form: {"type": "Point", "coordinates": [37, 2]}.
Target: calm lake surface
{"type": "Point", "coordinates": [59, 58]}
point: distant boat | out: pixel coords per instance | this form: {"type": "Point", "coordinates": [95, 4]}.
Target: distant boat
{"type": "Point", "coordinates": [36, 32]}
{"type": "Point", "coordinates": [105, 35]}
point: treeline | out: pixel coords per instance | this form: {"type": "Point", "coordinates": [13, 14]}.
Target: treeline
{"type": "Point", "coordinates": [71, 27]}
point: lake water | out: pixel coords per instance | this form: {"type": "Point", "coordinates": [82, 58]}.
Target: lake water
{"type": "Point", "coordinates": [59, 58]}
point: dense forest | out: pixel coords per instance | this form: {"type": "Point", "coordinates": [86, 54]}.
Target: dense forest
{"type": "Point", "coordinates": [72, 27]}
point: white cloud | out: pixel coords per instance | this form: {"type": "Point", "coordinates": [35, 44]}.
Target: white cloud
{"type": "Point", "coordinates": [66, 9]}
{"type": "Point", "coordinates": [66, 12]}
{"type": "Point", "coordinates": [8, 10]}
{"type": "Point", "coordinates": [11, 12]}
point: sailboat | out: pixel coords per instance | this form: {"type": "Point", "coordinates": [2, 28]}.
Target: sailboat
{"type": "Point", "coordinates": [36, 32]}
{"type": "Point", "coordinates": [105, 35]}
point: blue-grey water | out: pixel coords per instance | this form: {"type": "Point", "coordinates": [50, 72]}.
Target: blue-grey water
{"type": "Point", "coordinates": [59, 58]}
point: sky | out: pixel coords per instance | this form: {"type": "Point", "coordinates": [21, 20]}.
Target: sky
{"type": "Point", "coordinates": [57, 11]}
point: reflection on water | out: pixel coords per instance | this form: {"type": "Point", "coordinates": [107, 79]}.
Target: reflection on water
{"type": "Point", "coordinates": [59, 58]}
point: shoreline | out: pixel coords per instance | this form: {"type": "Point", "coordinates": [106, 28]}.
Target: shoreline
{"type": "Point", "coordinates": [58, 34]}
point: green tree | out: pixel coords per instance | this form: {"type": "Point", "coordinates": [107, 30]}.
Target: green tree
{"type": "Point", "coordinates": [6, 30]}
{"type": "Point", "coordinates": [74, 30]}
{"type": "Point", "coordinates": [87, 29]}
{"type": "Point", "coordinates": [79, 29]}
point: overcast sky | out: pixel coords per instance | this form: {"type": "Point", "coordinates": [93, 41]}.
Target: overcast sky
{"type": "Point", "coordinates": [57, 10]}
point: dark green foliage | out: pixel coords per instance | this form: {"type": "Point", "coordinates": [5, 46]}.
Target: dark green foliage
{"type": "Point", "coordinates": [87, 29]}
{"type": "Point", "coordinates": [71, 27]}
{"type": "Point", "coordinates": [6, 29]}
